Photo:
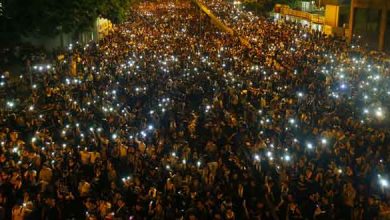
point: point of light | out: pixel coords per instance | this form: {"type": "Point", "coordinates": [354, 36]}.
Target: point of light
{"type": "Point", "coordinates": [114, 136]}
{"type": "Point", "coordinates": [384, 182]}
{"type": "Point", "coordinates": [379, 113]}
{"type": "Point", "coordinates": [10, 104]}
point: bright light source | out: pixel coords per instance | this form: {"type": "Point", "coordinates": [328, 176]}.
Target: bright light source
{"type": "Point", "coordinates": [379, 113]}
{"type": "Point", "coordinates": [383, 182]}
{"type": "Point", "coordinates": [10, 104]}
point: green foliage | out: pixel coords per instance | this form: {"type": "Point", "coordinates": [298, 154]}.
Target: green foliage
{"type": "Point", "coordinates": [260, 6]}
{"type": "Point", "coordinates": [263, 6]}
{"type": "Point", "coordinates": [49, 17]}
{"type": "Point", "coordinates": [114, 10]}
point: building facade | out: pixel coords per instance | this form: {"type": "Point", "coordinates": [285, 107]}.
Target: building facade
{"type": "Point", "coordinates": [370, 21]}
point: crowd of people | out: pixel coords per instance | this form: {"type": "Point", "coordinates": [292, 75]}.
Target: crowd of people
{"type": "Point", "coordinates": [170, 118]}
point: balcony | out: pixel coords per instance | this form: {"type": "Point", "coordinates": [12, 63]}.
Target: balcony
{"type": "Point", "coordinates": [315, 18]}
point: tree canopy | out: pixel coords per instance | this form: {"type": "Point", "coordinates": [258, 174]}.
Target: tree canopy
{"type": "Point", "coordinates": [263, 6]}
{"type": "Point", "coordinates": [49, 17]}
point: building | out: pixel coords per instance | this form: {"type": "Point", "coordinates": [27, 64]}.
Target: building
{"type": "Point", "coordinates": [369, 20]}
{"type": "Point", "coordinates": [326, 18]}
{"type": "Point", "coordinates": [366, 20]}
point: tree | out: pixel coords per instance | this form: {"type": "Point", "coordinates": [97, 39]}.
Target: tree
{"type": "Point", "coordinates": [114, 10]}
{"type": "Point", "coordinates": [49, 17]}
{"type": "Point", "coordinates": [260, 6]}
{"type": "Point", "coordinates": [263, 6]}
